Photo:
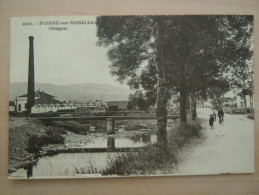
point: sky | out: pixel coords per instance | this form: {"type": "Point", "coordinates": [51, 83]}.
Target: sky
{"type": "Point", "coordinates": [61, 57]}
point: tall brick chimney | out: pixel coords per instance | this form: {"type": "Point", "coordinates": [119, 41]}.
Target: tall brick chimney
{"type": "Point", "coordinates": [31, 88]}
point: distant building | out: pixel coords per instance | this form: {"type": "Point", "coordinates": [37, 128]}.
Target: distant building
{"type": "Point", "coordinates": [43, 103]}
{"type": "Point", "coordinates": [200, 103]}
{"type": "Point", "coordinates": [233, 98]}
{"type": "Point", "coordinates": [208, 103]}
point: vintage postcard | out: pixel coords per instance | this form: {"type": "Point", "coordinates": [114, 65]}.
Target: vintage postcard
{"type": "Point", "coordinates": [113, 96]}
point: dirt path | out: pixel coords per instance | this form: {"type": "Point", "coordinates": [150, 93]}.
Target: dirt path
{"type": "Point", "coordinates": [227, 149]}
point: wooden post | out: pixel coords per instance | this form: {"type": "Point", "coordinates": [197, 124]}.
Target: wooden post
{"type": "Point", "coordinates": [29, 169]}
{"type": "Point", "coordinates": [110, 126]}
{"type": "Point", "coordinates": [110, 144]}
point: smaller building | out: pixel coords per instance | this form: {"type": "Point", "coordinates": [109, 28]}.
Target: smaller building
{"type": "Point", "coordinates": [44, 102]}
{"type": "Point", "coordinates": [200, 103]}
{"type": "Point", "coordinates": [233, 98]}
{"type": "Point", "coordinates": [208, 103]}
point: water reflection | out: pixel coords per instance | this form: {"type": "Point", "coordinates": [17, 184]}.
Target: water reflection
{"type": "Point", "coordinates": [70, 164]}
{"type": "Point", "coordinates": [120, 141]}
{"type": "Point", "coordinates": [110, 144]}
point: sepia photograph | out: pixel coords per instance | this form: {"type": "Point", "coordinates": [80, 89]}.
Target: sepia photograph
{"type": "Point", "coordinates": [127, 96]}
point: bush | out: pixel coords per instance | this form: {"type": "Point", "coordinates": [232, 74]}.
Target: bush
{"type": "Point", "coordinates": [250, 116]}
{"type": "Point", "coordinates": [179, 136]}
{"type": "Point", "coordinates": [239, 111]}
{"type": "Point", "coordinates": [147, 161]}
{"type": "Point", "coordinates": [228, 111]}
{"type": "Point", "coordinates": [134, 127]}
{"type": "Point", "coordinates": [55, 131]}
{"type": "Point", "coordinates": [36, 142]}
{"type": "Point", "coordinates": [72, 126]}
{"type": "Point", "coordinates": [136, 137]}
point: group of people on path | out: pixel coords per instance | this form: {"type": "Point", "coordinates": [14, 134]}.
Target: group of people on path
{"type": "Point", "coordinates": [213, 118]}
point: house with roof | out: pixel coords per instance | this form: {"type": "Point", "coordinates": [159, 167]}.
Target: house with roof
{"type": "Point", "coordinates": [233, 98]}
{"type": "Point", "coordinates": [44, 102]}
{"type": "Point", "coordinates": [207, 103]}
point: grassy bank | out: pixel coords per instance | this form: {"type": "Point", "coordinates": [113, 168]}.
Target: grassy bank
{"type": "Point", "coordinates": [135, 125]}
{"type": "Point", "coordinates": [82, 127]}
{"type": "Point", "coordinates": [26, 137]}
{"type": "Point", "coordinates": [251, 116]}
{"type": "Point", "coordinates": [51, 136]}
{"type": "Point", "coordinates": [148, 161]}
{"type": "Point", "coordinates": [154, 159]}
{"type": "Point", "coordinates": [179, 137]}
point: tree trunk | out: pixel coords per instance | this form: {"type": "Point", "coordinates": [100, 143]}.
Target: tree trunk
{"type": "Point", "coordinates": [161, 114]}
{"type": "Point", "coordinates": [183, 95]}
{"type": "Point", "coordinates": [252, 103]}
{"type": "Point", "coordinates": [190, 102]}
{"type": "Point", "coordinates": [193, 105]}
{"type": "Point", "coordinates": [162, 90]}
{"type": "Point", "coordinates": [183, 115]}
{"type": "Point", "coordinates": [252, 97]}
{"type": "Point", "coordinates": [245, 103]}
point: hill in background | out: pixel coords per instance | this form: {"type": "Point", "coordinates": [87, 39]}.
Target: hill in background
{"type": "Point", "coordinates": [78, 92]}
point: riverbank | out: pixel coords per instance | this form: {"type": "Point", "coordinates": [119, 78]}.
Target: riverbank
{"type": "Point", "coordinates": [19, 133]}
{"type": "Point", "coordinates": [155, 159]}
{"type": "Point", "coordinates": [22, 131]}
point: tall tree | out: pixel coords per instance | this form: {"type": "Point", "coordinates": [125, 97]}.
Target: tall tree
{"type": "Point", "coordinates": [133, 41]}
{"type": "Point", "coordinates": [188, 53]}
{"type": "Point", "coordinates": [210, 47]}
{"type": "Point", "coordinates": [240, 53]}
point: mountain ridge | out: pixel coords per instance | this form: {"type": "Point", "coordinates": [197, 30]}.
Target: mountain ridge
{"type": "Point", "coordinates": [78, 92]}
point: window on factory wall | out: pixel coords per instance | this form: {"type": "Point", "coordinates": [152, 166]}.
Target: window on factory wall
{"type": "Point", "coordinates": [25, 105]}
{"type": "Point", "coordinates": [19, 107]}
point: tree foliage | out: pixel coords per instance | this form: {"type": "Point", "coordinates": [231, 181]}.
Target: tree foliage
{"type": "Point", "coordinates": [137, 101]}
{"type": "Point", "coordinates": [165, 55]}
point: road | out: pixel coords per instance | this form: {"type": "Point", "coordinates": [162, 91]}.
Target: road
{"type": "Point", "coordinates": [227, 149]}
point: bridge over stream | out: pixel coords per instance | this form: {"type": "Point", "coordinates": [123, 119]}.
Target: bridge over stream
{"type": "Point", "coordinates": [110, 131]}
{"type": "Point", "coordinates": [110, 119]}
{"type": "Point", "coordinates": [111, 138]}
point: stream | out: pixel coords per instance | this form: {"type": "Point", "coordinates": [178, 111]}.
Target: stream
{"type": "Point", "coordinates": [64, 165]}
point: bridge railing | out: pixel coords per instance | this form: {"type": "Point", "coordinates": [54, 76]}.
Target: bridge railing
{"type": "Point", "coordinates": [110, 120]}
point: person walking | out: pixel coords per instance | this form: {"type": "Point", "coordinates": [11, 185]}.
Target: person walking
{"type": "Point", "coordinates": [222, 115]}
{"type": "Point", "coordinates": [214, 115]}
{"type": "Point", "coordinates": [211, 122]}
{"type": "Point", "coordinates": [219, 115]}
